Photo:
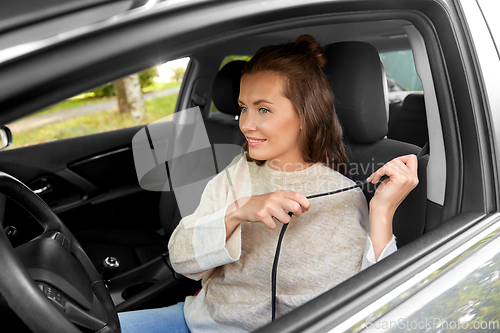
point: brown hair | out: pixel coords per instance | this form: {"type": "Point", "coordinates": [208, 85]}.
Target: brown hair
{"type": "Point", "coordinates": [301, 64]}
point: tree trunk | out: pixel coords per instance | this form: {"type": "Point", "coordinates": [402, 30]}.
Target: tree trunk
{"type": "Point", "coordinates": [121, 97]}
{"type": "Point", "coordinates": [129, 95]}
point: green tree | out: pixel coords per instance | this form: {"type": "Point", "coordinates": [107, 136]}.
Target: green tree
{"type": "Point", "coordinates": [228, 59]}
{"type": "Point", "coordinates": [129, 96]}
{"type": "Point", "coordinates": [178, 74]}
{"type": "Point", "coordinates": [145, 79]}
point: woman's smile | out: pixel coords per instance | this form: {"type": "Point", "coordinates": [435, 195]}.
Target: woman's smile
{"type": "Point", "coordinates": [254, 142]}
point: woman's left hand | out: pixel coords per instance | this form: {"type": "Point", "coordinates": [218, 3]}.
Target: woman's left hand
{"type": "Point", "coordinates": [403, 178]}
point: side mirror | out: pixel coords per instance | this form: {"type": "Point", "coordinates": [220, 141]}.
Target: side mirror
{"type": "Point", "coordinates": [5, 137]}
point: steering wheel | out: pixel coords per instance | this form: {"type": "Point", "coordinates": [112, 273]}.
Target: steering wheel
{"type": "Point", "coordinates": [49, 282]}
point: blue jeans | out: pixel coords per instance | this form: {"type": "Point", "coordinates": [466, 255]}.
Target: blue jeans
{"type": "Point", "coordinates": [163, 320]}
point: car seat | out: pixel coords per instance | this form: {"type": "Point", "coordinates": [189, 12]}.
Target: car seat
{"type": "Point", "coordinates": [222, 128]}
{"type": "Point", "coordinates": [357, 80]}
{"type": "Point", "coordinates": [408, 121]}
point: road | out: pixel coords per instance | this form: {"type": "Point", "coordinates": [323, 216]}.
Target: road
{"type": "Point", "coordinates": [30, 123]}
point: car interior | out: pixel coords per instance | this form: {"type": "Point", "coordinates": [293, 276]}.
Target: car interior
{"type": "Point", "coordinates": [93, 187]}
{"type": "Point", "coordinates": [359, 84]}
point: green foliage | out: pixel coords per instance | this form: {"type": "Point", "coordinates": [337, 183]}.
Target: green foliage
{"type": "Point", "coordinates": [70, 104]}
{"type": "Point", "coordinates": [88, 98]}
{"type": "Point", "coordinates": [472, 301]}
{"type": "Point", "coordinates": [145, 79]}
{"type": "Point", "coordinates": [228, 59]}
{"type": "Point", "coordinates": [105, 90]}
{"type": "Point", "coordinates": [178, 73]}
{"type": "Point", "coordinates": [157, 86]}
{"type": "Point", "coordinates": [94, 123]}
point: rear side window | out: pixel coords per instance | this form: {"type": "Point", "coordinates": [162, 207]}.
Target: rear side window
{"type": "Point", "coordinates": [106, 108]}
{"type": "Point", "coordinates": [400, 69]}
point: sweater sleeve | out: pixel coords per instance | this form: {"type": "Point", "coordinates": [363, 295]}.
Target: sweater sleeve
{"type": "Point", "coordinates": [369, 255]}
{"type": "Point", "coordinates": [198, 244]}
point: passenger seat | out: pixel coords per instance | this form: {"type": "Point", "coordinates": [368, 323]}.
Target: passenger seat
{"type": "Point", "coordinates": [133, 247]}
{"type": "Point", "coordinates": [221, 128]}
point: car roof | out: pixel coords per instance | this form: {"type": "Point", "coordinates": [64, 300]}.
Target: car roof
{"type": "Point", "coordinates": [44, 23]}
{"type": "Point", "coordinates": [386, 36]}
{"type": "Point", "coordinates": [15, 14]}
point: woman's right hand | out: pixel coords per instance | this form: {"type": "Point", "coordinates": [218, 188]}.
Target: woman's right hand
{"type": "Point", "coordinates": [262, 208]}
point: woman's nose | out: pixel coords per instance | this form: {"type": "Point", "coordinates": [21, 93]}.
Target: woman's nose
{"type": "Point", "coordinates": [248, 121]}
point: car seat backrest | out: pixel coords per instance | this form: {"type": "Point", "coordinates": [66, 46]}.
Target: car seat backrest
{"type": "Point", "coordinates": [354, 72]}
{"type": "Point", "coordinates": [408, 121]}
{"type": "Point", "coordinates": [356, 80]}
{"type": "Point", "coordinates": [221, 129]}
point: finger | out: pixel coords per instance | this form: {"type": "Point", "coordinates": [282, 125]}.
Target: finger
{"type": "Point", "coordinates": [410, 170]}
{"type": "Point", "coordinates": [293, 206]}
{"type": "Point", "coordinates": [403, 169]}
{"type": "Point", "coordinates": [281, 216]}
{"type": "Point", "coordinates": [395, 166]}
{"type": "Point", "coordinates": [298, 197]}
{"type": "Point", "coordinates": [375, 177]}
{"type": "Point", "coordinates": [399, 174]}
{"type": "Point", "coordinates": [411, 162]}
{"type": "Point", "coordinates": [269, 222]}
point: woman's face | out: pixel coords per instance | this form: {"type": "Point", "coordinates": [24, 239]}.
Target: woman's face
{"type": "Point", "coordinates": [269, 122]}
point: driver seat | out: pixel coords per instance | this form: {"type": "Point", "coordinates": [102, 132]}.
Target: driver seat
{"type": "Point", "coordinates": [358, 82]}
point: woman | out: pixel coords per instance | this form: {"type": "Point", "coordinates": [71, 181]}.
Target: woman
{"type": "Point", "coordinates": [294, 149]}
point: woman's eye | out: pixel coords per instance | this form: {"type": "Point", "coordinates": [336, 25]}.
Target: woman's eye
{"type": "Point", "coordinates": [263, 110]}
{"type": "Point", "coordinates": [243, 109]}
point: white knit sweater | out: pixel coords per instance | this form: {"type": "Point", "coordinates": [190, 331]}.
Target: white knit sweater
{"type": "Point", "coordinates": [321, 248]}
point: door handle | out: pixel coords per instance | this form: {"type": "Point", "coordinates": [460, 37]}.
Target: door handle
{"type": "Point", "coordinates": [43, 189]}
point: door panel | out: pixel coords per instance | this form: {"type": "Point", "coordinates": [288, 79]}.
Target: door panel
{"type": "Point", "coordinates": [90, 182]}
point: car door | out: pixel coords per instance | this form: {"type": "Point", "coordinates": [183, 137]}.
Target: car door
{"type": "Point", "coordinates": [89, 181]}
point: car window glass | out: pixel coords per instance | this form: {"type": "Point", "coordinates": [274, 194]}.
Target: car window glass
{"type": "Point", "coordinates": [407, 119]}
{"type": "Point", "coordinates": [400, 68]}
{"type": "Point", "coordinates": [106, 108]}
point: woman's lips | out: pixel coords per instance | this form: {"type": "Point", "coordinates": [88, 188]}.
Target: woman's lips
{"type": "Point", "coordinates": [254, 142]}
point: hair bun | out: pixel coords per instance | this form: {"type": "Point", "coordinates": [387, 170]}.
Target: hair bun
{"type": "Point", "coordinates": [313, 48]}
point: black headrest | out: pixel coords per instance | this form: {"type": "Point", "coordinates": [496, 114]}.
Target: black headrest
{"type": "Point", "coordinates": [226, 87]}
{"type": "Point", "coordinates": [357, 79]}
{"type": "Point", "coordinates": [415, 104]}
